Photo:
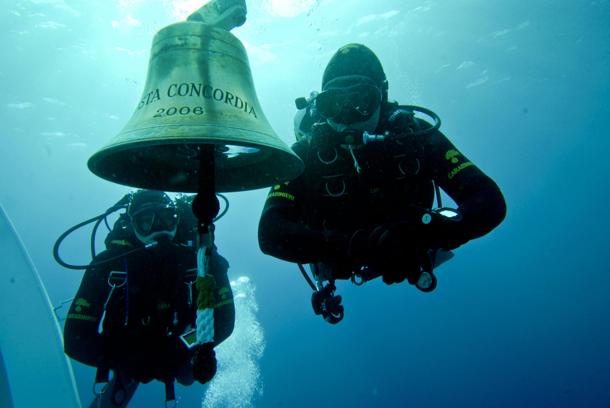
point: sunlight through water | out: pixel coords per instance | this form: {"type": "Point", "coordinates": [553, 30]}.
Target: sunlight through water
{"type": "Point", "coordinates": [288, 8]}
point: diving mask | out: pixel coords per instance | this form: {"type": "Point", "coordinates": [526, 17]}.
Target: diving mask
{"type": "Point", "coordinates": [150, 223]}
{"type": "Point", "coordinates": [348, 99]}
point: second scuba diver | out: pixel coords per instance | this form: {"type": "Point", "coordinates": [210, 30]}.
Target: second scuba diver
{"type": "Point", "coordinates": [135, 310]}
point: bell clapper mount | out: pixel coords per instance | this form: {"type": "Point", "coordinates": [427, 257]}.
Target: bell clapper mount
{"type": "Point", "coordinates": [224, 14]}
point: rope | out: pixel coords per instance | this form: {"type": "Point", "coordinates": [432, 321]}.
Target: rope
{"type": "Point", "coordinates": [205, 284]}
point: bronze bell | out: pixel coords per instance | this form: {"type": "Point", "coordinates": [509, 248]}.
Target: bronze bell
{"type": "Point", "coordinates": [199, 91]}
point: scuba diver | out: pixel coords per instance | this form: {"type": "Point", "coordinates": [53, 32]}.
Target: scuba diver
{"type": "Point", "coordinates": [363, 207]}
{"type": "Point", "coordinates": [135, 311]}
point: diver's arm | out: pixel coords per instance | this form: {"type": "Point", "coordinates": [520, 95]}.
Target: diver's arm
{"type": "Point", "coordinates": [283, 234]}
{"type": "Point", "coordinates": [282, 230]}
{"type": "Point", "coordinates": [82, 341]}
{"type": "Point", "coordinates": [478, 197]}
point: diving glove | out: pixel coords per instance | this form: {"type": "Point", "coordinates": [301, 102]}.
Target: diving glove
{"type": "Point", "coordinates": [204, 363]}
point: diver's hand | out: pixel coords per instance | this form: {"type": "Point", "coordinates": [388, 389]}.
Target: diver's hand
{"type": "Point", "coordinates": [204, 363]}
{"type": "Point", "coordinates": [397, 256]}
{"type": "Point", "coordinates": [383, 251]}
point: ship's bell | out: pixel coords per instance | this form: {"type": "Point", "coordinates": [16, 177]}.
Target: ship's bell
{"type": "Point", "coordinates": [199, 91]}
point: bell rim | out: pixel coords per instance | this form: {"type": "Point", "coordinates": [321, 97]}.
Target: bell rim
{"type": "Point", "coordinates": [291, 164]}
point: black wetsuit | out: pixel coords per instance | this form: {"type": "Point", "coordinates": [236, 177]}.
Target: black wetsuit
{"type": "Point", "coordinates": [311, 218]}
{"type": "Point", "coordinates": [145, 315]}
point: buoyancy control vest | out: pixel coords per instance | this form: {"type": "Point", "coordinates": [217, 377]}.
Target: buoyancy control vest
{"type": "Point", "coordinates": [351, 179]}
{"type": "Point", "coordinates": [151, 293]}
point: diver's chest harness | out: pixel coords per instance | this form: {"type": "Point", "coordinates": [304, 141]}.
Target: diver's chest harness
{"type": "Point", "coordinates": [360, 172]}
{"type": "Point", "coordinates": [341, 168]}
{"type": "Point", "coordinates": [163, 312]}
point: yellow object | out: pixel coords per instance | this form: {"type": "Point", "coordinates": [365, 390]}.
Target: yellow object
{"type": "Point", "coordinates": [206, 286]}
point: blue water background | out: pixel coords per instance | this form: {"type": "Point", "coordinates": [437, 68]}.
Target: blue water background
{"type": "Point", "coordinates": [521, 317]}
